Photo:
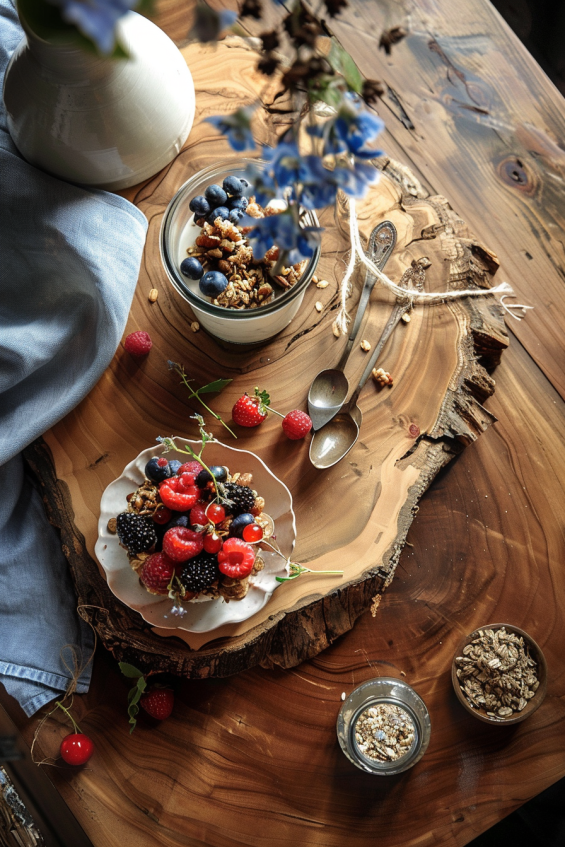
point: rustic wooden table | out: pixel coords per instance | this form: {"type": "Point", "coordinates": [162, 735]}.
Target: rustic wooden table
{"type": "Point", "coordinates": [253, 759]}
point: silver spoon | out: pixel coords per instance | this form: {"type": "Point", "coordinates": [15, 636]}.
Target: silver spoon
{"type": "Point", "coordinates": [334, 440]}
{"type": "Point", "coordinates": [329, 389]}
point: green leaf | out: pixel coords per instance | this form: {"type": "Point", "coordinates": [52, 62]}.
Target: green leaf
{"type": "Point", "coordinates": [331, 96]}
{"type": "Point", "coordinates": [217, 385]}
{"type": "Point", "coordinates": [342, 63]}
{"type": "Point", "coordinates": [129, 670]}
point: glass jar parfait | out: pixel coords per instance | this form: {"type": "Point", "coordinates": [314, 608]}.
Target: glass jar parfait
{"type": "Point", "coordinates": [179, 232]}
{"type": "Point", "coordinates": [384, 727]}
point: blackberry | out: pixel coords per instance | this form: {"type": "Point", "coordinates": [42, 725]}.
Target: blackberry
{"type": "Point", "coordinates": [136, 532]}
{"type": "Point", "coordinates": [200, 572]}
{"type": "Point", "coordinates": [241, 496]}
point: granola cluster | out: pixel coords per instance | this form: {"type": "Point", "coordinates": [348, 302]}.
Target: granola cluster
{"type": "Point", "coordinates": [223, 246]}
{"type": "Point", "coordinates": [497, 673]}
{"type": "Point", "coordinates": [384, 732]}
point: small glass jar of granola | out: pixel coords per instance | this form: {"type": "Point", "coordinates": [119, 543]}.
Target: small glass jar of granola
{"type": "Point", "coordinates": [383, 727]}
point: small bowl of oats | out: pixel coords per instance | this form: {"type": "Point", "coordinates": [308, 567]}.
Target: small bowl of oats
{"type": "Point", "coordinates": [499, 674]}
{"type": "Point", "coordinates": [209, 260]}
{"type": "Point", "coordinates": [383, 727]}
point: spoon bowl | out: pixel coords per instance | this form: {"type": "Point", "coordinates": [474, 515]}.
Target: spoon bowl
{"type": "Point", "coordinates": [334, 440]}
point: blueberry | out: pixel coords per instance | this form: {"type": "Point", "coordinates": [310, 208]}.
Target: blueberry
{"type": "Point", "coordinates": [200, 206]}
{"type": "Point", "coordinates": [179, 520]}
{"type": "Point", "coordinates": [174, 465]}
{"type": "Point", "coordinates": [220, 475]}
{"type": "Point", "coordinates": [240, 203]}
{"type": "Point", "coordinates": [235, 216]}
{"type": "Point", "coordinates": [191, 268]}
{"type": "Point", "coordinates": [240, 522]}
{"type": "Point", "coordinates": [157, 469]}
{"type": "Point", "coordinates": [233, 186]}
{"type": "Point", "coordinates": [213, 283]}
{"type": "Point", "coordinates": [216, 196]}
{"type": "Point", "coordinates": [220, 212]}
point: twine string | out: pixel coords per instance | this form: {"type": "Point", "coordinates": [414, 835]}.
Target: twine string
{"type": "Point", "coordinates": [414, 295]}
{"type": "Point", "coordinates": [76, 671]}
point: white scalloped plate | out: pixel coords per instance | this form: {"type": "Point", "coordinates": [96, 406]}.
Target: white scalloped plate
{"type": "Point", "coordinates": [201, 616]}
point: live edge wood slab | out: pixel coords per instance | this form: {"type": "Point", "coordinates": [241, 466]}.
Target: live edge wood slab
{"type": "Point", "coordinates": [354, 516]}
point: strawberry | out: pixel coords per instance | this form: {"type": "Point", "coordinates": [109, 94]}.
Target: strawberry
{"type": "Point", "coordinates": [176, 496]}
{"type": "Point", "coordinates": [236, 558]}
{"type": "Point", "coordinates": [138, 343]}
{"type": "Point", "coordinates": [251, 411]}
{"type": "Point", "coordinates": [181, 543]}
{"type": "Point", "coordinates": [158, 702]}
{"type": "Point", "coordinates": [157, 572]}
{"type": "Point", "coordinates": [296, 424]}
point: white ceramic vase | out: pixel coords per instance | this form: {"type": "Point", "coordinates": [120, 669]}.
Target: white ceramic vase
{"type": "Point", "coordinates": [106, 123]}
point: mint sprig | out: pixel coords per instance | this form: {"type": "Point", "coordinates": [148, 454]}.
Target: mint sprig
{"type": "Point", "coordinates": [209, 388]}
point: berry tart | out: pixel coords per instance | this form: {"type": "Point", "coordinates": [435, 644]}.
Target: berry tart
{"type": "Point", "coordinates": [192, 539]}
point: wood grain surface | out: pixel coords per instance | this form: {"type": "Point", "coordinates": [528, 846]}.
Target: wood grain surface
{"type": "Point", "coordinates": [253, 759]}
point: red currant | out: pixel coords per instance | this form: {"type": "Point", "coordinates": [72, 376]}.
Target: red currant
{"type": "Point", "coordinates": [215, 513]}
{"type": "Point", "coordinates": [252, 533]}
{"type": "Point", "coordinates": [76, 749]}
{"type": "Point", "coordinates": [162, 515]}
{"type": "Point", "coordinates": [212, 543]}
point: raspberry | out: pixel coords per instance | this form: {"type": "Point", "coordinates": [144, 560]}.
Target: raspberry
{"type": "Point", "coordinates": [190, 467]}
{"type": "Point", "coordinates": [198, 515]}
{"type": "Point", "coordinates": [296, 424]}
{"type": "Point", "coordinates": [177, 497]}
{"type": "Point", "coordinates": [138, 343]}
{"type": "Point", "coordinates": [157, 572]}
{"type": "Point", "coordinates": [236, 558]}
{"type": "Point", "coordinates": [158, 702]}
{"type": "Point", "coordinates": [181, 544]}
{"type": "Point", "coordinates": [251, 411]}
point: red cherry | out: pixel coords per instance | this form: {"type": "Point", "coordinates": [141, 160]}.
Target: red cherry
{"type": "Point", "coordinates": [215, 513]}
{"type": "Point", "coordinates": [212, 543]}
{"type": "Point", "coordinates": [76, 749]}
{"type": "Point", "coordinates": [162, 515]}
{"type": "Point", "coordinates": [252, 532]}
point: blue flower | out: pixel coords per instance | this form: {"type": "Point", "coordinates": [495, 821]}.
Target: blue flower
{"type": "Point", "coordinates": [96, 19]}
{"type": "Point", "coordinates": [349, 131]}
{"type": "Point", "coordinates": [283, 231]}
{"type": "Point", "coordinates": [237, 128]}
{"type": "Point", "coordinates": [264, 186]}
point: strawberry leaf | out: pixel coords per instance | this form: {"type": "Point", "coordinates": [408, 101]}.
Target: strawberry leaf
{"type": "Point", "coordinates": [264, 401]}
{"type": "Point", "coordinates": [129, 670]}
{"type": "Point", "coordinates": [217, 385]}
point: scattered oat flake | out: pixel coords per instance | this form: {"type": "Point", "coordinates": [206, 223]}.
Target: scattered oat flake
{"type": "Point", "coordinates": [406, 318]}
{"type": "Point", "coordinates": [195, 326]}
{"type": "Point", "coordinates": [365, 345]}
{"type": "Point", "coordinates": [343, 695]}
{"type": "Point", "coordinates": [319, 306]}
{"type": "Point", "coordinates": [336, 330]}
{"type": "Point", "coordinates": [152, 296]}
{"type": "Point", "coordinates": [315, 279]}
{"type": "Point", "coordinates": [323, 283]}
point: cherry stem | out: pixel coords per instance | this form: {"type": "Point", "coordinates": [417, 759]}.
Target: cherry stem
{"type": "Point", "coordinates": [76, 727]}
{"type": "Point", "coordinates": [270, 408]}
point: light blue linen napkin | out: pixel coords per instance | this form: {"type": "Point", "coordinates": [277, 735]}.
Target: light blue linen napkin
{"type": "Point", "coordinates": [69, 264]}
